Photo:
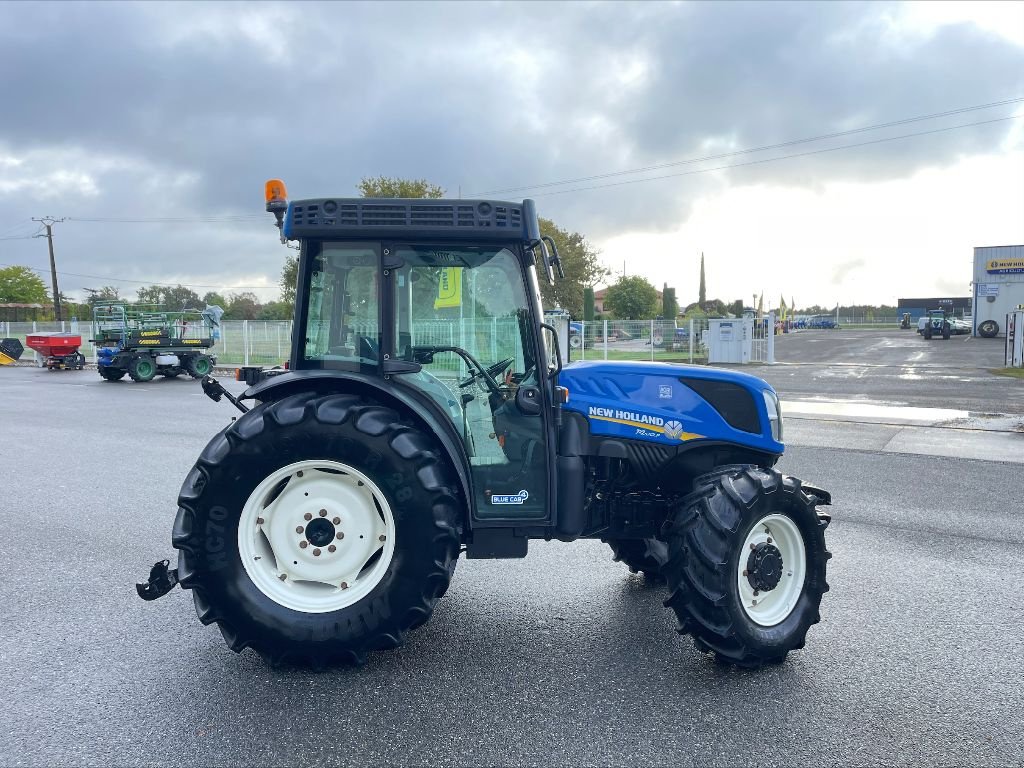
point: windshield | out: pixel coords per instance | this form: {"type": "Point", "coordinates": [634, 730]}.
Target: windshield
{"type": "Point", "coordinates": [472, 298]}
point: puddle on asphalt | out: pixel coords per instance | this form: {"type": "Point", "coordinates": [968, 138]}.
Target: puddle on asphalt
{"type": "Point", "coordinates": [867, 410]}
{"type": "Point", "coordinates": [884, 413]}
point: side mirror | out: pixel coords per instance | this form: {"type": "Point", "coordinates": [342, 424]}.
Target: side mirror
{"type": "Point", "coordinates": [423, 355]}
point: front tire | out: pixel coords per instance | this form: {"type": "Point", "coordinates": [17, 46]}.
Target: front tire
{"type": "Point", "coordinates": [111, 374]}
{"type": "Point", "coordinates": [747, 562]}
{"type": "Point", "coordinates": [261, 487]}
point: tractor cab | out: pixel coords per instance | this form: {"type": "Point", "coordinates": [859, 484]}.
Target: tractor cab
{"type": "Point", "coordinates": [439, 302]}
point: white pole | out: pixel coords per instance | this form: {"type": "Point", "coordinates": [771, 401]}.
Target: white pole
{"type": "Point", "coordinates": [606, 336]}
{"type": "Point", "coordinates": [245, 341]}
{"type": "Point", "coordinates": [278, 341]}
{"type": "Point", "coordinates": [652, 341]}
{"type": "Point", "coordinates": [691, 341]}
{"type": "Point", "coordinates": [771, 339]}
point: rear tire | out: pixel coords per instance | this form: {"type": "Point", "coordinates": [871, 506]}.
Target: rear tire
{"type": "Point", "coordinates": [945, 331]}
{"type": "Point", "coordinates": [928, 332]}
{"type": "Point", "coordinates": [988, 329]}
{"type": "Point", "coordinates": [142, 369]}
{"type": "Point", "coordinates": [311, 617]}
{"type": "Point", "coordinates": [646, 556]}
{"type": "Point", "coordinates": [736, 519]}
{"type": "Point", "coordinates": [198, 366]}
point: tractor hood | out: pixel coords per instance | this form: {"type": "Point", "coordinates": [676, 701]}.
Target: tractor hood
{"type": "Point", "coordinates": [671, 404]}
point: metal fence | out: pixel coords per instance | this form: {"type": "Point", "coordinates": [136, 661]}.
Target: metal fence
{"type": "Point", "coordinates": [238, 342]}
{"type": "Point", "coordinates": [684, 341]}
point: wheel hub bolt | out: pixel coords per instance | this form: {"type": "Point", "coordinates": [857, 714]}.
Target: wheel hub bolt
{"type": "Point", "coordinates": [299, 529]}
{"type": "Point", "coordinates": [316, 553]}
{"type": "Point", "coordinates": [283, 576]}
{"type": "Point", "coordinates": [753, 546]}
{"type": "Point", "coordinates": [336, 520]}
{"type": "Point", "coordinates": [303, 544]}
{"type": "Point", "coordinates": [769, 539]}
{"type": "Point", "coordinates": [344, 585]}
{"type": "Point", "coordinates": [757, 592]}
{"type": "Point", "coordinates": [382, 537]}
{"type": "Point", "coordinates": [331, 548]}
{"type": "Point", "coordinates": [259, 521]}
{"type": "Point", "coordinates": [299, 473]}
{"type": "Point", "coordinates": [340, 536]}
{"type": "Point", "coordinates": [307, 516]}
{"type": "Point", "coordinates": [323, 513]}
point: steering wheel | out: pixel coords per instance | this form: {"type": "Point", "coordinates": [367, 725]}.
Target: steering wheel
{"type": "Point", "coordinates": [494, 371]}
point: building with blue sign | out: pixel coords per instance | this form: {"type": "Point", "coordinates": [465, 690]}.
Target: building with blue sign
{"type": "Point", "coordinates": [998, 287]}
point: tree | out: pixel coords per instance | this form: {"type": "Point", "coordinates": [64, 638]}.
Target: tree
{"type": "Point", "coordinates": [177, 298]}
{"type": "Point", "coordinates": [702, 295]}
{"type": "Point", "coordinates": [289, 279]}
{"type": "Point", "coordinates": [275, 310]}
{"type": "Point", "coordinates": [106, 293]}
{"type": "Point", "coordinates": [669, 305]}
{"type": "Point", "coordinates": [213, 299]}
{"type": "Point", "coordinates": [736, 308]}
{"type": "Point", "coordinates": [20, 285]}
{"type": "Point", "coordinates": [632, 298]}
{"type": "Point", "coordinates": [386, 186]}
{"type": "Point", "coordinates": [588, 304]}
{"type": "Point", "coordinates": [148, 294]}
{"type": "Point", "coordinates": [180, 297]}
{"type": "Point", "coordinates": [242, 306]}
{"type": "Point", "coordinates": [581, 265]}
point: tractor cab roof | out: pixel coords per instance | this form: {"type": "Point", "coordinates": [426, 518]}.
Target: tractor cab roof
{"type": "Point", "coordinates": [474, 221]}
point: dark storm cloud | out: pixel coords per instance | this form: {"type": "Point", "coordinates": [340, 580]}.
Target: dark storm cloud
{"type": "Point", "coordinates": [184, 109]}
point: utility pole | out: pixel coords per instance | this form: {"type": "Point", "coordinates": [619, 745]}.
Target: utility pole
{"type": "Point", "coordinates": [48, 222]}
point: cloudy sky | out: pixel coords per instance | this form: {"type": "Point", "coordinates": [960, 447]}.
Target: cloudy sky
{"type": "Point", "coordinates": [119, 115]}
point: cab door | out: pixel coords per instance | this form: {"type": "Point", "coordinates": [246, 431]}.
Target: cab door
{"type": "Point", "coordinates": [463, 314]}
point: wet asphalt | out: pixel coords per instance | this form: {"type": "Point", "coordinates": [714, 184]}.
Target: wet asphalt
{"type": "Point", "coordinates": [563, 658]}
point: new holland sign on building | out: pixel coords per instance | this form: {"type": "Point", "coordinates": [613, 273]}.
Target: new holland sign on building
{"type": "Point", "coordinates": [998, 287]}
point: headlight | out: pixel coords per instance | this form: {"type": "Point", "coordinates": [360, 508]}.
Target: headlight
{"type": "Point", "coordinates": [771, 402]}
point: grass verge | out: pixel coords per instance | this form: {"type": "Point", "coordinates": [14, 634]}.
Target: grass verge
{"type": "Point", "coordinates": [1013, 373]}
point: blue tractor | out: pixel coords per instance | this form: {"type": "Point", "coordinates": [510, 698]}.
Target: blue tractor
{"type": "Point", "coordinates": [427, 412]}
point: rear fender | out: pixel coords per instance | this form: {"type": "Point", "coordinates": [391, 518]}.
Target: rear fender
{"type": "Point", "coordinates": [419, 409]}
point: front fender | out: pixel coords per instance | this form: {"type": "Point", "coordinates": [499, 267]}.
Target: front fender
{"type": "Point", "coordinates": [420, 409]}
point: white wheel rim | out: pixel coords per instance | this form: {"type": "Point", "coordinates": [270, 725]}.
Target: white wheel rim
{"type": "Point", "coordinates": [285, 510]}
{"type": "Point", "coordinates": [769, 607]}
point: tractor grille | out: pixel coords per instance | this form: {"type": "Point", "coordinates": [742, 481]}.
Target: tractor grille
{"type": "Point", "coordinates": [345, 214]}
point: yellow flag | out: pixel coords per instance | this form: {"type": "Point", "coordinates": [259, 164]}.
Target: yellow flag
{"type": "Point", "coordinates": [782, 308]}
{"type": "Point", "coordinates": [449, 289]}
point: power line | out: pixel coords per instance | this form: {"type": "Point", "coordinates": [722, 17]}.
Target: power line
{"type": "Point", "coordinates": [151, 282]}
{"type": "Point", "coordinates": [776, 159]}
{"type": "Point", "coordinates": [171, 220]}
{"type": "Point", "coordinates": [764, 148]}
